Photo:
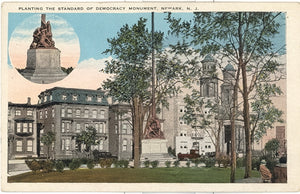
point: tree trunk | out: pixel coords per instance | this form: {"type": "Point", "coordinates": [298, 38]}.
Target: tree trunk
{"type": "Point", "coordinates": [217, 146]}
{"type": "Point", "coordinates": [246, 123]}
{"type": "Point", "coordinates": [232, 123]}
{"type": "Point", "coordinates": [136, 132]}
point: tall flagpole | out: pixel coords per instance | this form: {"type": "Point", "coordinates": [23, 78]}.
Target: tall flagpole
{"type": "Point", "coordinates": [153, 69]}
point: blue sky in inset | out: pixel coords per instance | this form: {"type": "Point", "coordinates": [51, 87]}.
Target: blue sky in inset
{"type": "Point", "coordinates": [93, 29]}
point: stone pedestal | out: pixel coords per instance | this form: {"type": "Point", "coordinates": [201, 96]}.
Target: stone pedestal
{"type": "Point", "coordinates": [155, 149]}
{"type": "Point", "coordinates": [43, 66]}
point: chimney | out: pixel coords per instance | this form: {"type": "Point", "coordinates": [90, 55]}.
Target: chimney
{"type": "Point", "coordinates": [29, 101]}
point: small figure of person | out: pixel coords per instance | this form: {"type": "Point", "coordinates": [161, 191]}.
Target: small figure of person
{"type": "Point", "coordinates": [266, 175]}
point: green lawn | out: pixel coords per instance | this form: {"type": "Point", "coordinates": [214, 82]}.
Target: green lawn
{"type": "Point", "coordinates": [130, 175]}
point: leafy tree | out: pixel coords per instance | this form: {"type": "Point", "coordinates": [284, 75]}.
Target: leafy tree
{"type": "Point", "coordinates": [272, 146]}
{"type": "Point", "coordinates": [132, 49]}
{"type": "Point", "coordinates": [244, 38]}
{"type": "Point", "coordinates": [87, 138]}
{"type": "Point", "coordinates": [47, 139]}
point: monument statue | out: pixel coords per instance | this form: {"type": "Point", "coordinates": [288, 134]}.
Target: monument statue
{"type": "Point", "coordinates": [43, 58]}
{"type": "Point", "coordinates": [42, 36]}
{"type": "Point", "coordinates": [153, 130]}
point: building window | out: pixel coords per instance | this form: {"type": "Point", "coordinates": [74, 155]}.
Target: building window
{"type": "Point", "coordinates": [124, 128]}
{"type": "Point", "coordinates": [97, 127]}
{"type": "Point", "coordinates": [74, 97]}
{"type": "Point", "coordinates": [68, 127]}
{"type": "Point", "coordinates": [101, 128]}
{"type": "Point", "coordinates": [18, 127]}
{"type": "Point", "coordinates": [102, 112]}
{"type": "Point", "coordinates": [182, 121]}
{"type": "Point", "coordinates": [94, 115]}
{"type": "Point", "coordinates": [101, 145]}
{"type": "Point", "coordinates": [41, 148]}
{"type": "Point", "coordinates": [29, 113]}
{"type": "Point", "coordinates": [86, 126]}
{"type": "Point", "coordinates": [116, 128]}
{"type": "Point", "coordinates": [52, 113]}
{"type": "Point", "coordinates": [69, 112]}
{"type": "Point", "coordinates": [124, 145]}
{"type": "Point", "coordinates": [63, 144]}
{"type": "Point", "coordinates": [86, 113]}
{"type": "Point", "coordinates": [18, 112]}
{"type": "Point", "coordinates": [41, 114]}
{"type": "Point", "coordinates": [78, 112]}
{"type": "Point", "coordinates": [62, 127]}
{"type": "Point", "coordinates": [64, 97]}
{"type": "Point", "coordinates": [19, 147]}
{"type": "Point", "coordinates": [89, 98]}
{"type": "Point", "coordinates": [78, 127]}
{"type": "Point", "coordinates": [183, 133]}
{"type": "Point", "coordinates": [99, 99]}
{"type": "Point", "coordinates": [25, 129]}
{"type": "Point", "coordinates": [46, 113]}
{"type": "Point", "coordinates": [182, 109]}
{"type": "Point", "coordinates": [63, 112]}
{"type": "Point", "coordinates": [29, 145]}
{"type": "Point", "coordinates": [67, 144]}
{"type": "Point", "coordinates": [30, 127]}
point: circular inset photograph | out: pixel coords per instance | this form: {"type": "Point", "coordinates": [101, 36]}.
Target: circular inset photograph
{"type": "Point", "coordinates": [44, 48]}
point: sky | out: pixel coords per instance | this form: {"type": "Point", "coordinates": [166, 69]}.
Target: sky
{"type": "Point", "coordinates": [82, 38]}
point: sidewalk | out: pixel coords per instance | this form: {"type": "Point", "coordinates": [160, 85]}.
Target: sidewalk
{"type": "Point", "coordinates": [249, 180]}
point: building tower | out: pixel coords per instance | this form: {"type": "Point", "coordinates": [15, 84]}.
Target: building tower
{"type": "Point", "coordinates": [209, 81]}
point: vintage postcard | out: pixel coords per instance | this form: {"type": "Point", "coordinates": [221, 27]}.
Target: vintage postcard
{"type": "Point", "coordinates": [152, 97]}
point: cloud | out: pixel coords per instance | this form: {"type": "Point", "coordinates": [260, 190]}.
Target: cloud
{"type": "Point", "coordinates": [93, 63]}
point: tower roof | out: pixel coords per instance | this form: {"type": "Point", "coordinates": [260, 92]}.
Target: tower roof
{"type": "Point", "coordinates": [208, 58]}
{"type": "Point", "coordinates": [229, 67]}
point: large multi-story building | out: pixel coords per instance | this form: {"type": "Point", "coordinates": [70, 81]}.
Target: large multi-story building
{"type": "Point", "coordinates": [68, 112]}
{"type": "Point", "coordinates": [121, 131]}
{"type": "Point", "coordinates": [22, 130]}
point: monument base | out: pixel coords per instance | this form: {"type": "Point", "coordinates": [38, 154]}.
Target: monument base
{"type": "Point", "coordinates": [43, 66]}
{"type": "Point", "coordinates": [155, 149]}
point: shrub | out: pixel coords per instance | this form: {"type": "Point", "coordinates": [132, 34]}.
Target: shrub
{"type": "Point", "coordinates": [188, 164]}
{"type": "Point", "coordinates": [59, 166]}
{"type": "Point", "coordinates": [168, 164]}
{"type": "Point", "coordinates": [283, 160]}
{"type": "Point", "coordinates": [176, 163]}
{"type": "Point", "coordinates": [147, 163]}
{"type": "Point", "coordinates": [90, 164]}
{"type": "Point", "coordinates": [66, 162]}
{"type": "Point", "coordinates": [154, 163]}
{"type": "Point", "coordinates": [33, 165]}
{"type": "Point", "coordinates": [124, 163]}
{"type": "Point", "coordinates": [226, 161]}
{"type": "Point", "coordinates": [256, 163]}
{"type": "Point", "coordinates": [84, 160]}
{"type": "Point", "coordinates": [75, 164]}
{"type": "Point", "coordinates": [196, 161]}
{"type": "Point", "coordinates": [117, 163]}
{"type": "Point", "coordinates": [47, 165]}
{"type": "Point", "coordinates": [210, 162]}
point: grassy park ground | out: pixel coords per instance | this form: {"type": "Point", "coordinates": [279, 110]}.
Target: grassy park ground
{"type": "Point", "coordinates": [130, 175]}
